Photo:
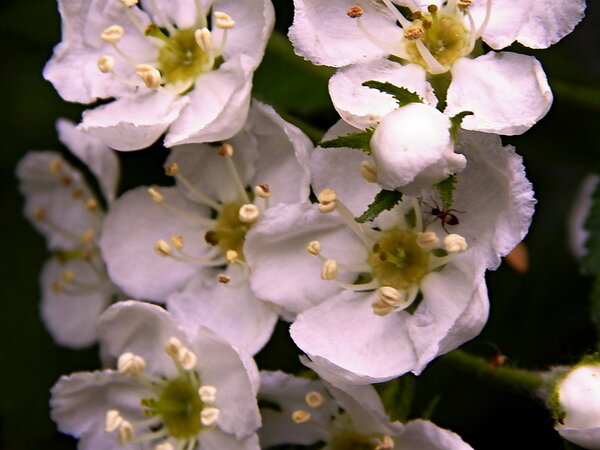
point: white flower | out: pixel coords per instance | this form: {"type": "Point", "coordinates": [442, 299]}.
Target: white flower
{"type": "Point", "coordinates": [170, 388]}
{"type": "Point", "coordinates": [169, 246]}
{"type": "Point", "coordinates": [579, 401]}
{"type": "Point", "coordinates": [302, 411]}
{"type": "Point", "coordinates": [413, 149]}
{"type": "Point", "coordinates": [163, 65]}
{"type": "Point", "coordinates": [60, 204]}
{"type": "Point", "coordinates": [352, 290]}
{"type": "Point", "coordinates": [507, 92]}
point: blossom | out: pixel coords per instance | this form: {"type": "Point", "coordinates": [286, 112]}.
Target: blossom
{"type": "Point", "coordinates": [165, 68]}
{"type": "Point", "coordinates": [373, 302]}
{"type": "Point", "coordinates": [171, 389]}
{"type": "Point", "coordinates": [578, 395]}
{"type": "Point", "coordinates": [60, 204]}
{"type": "Point", "coordinates": [507, 92]}
{"type": "Point", "coordinates": [303, 411]}
{"type": "Point", "coordinates": [185, 245]}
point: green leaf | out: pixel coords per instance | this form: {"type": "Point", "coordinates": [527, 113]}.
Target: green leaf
{"type": "Point", "coordinates": [456, 122]}
{"type": "Point", "coordinates": [402, 95]}
{"type": "Point", "coordinates": [360, 140]}
{"type": "Point", "coordinates": [446, 190]}
{"type": "Point", "coordinates": [384, 200]}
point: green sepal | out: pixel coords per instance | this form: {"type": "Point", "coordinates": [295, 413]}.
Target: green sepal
{"type": "Point", "coordinates": [384, 200]}
{"type": "Point", "coordinates": [360, 140]}
{"type": "Point", "coordinates": [402, 95]}
{"type": "Point", "coordinates": [456, 123]}
{"type": "Point", "coordinates": [397, 396]}
{"type": "Point", "coordinates": [446, 190]}
{"type": "Point", "coordinates": [591, 261]}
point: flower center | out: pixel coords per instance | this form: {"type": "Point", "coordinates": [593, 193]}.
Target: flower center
{"type": "Point", "coordinates": [350, 440]}
{"type": "Point", "coordinates": [229, 231]}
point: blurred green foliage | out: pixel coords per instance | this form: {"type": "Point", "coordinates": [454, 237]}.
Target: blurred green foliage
{"type": "Point", "coordinates": [537, 319]}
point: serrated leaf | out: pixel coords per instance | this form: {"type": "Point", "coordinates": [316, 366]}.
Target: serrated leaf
{"type": "Point", "coordinates": [360, 140]}
{"type": "Point", "coordinates": [384, 200]}
{"type": "Point", "coordinates": [456, 123]}
{"type": "Point", "coordinates": [446, 190]}
{"type": "Point", "coordinates": [402, 95]}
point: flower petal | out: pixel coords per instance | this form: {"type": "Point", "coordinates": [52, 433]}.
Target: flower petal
{"type": "Point", "coordinates": [424, 435]}
{"type": "Point", "coordinates": [584, 437]}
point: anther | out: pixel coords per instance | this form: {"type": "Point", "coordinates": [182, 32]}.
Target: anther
{"type": "Point", "coordinates": [164, 446]}
{"type": "Point", "coordinates": [106, 63]}
{"type": "Point", "coordinates": [231, 256]}
{"type": "Point", "coordinates": [76, 193]}
{"type": "Point", "coordinates": [208, 394]}
{"type": "Point", "coordinates": [177, 241]}
{"type": "Point", "coordinates": [156, 195]}
{"type": "Point", "coordinates": [390, 295]}
{"type": "Point", "coordinates": [113, 420]}
{"type": "Point", "coordinates": [314, 247]}
{"type": "Point", "coordinates": [368, 171]}
{"type": "Point", "coordinates": [463, 4]}
{"type": "Point", "coordinates": [427, 240]}
{"type": "Point", "coordinates": [68, 276]}
{"type": "Point", "coordinates": [162, 248]}
{"type": "Point", "coordinates": [125, 433]}
{"type": "Point", "coordinates": [149, 75]}
{"type": "Point", "coordinates": [223, 279]}
{"type": "Point", "coordinates": [112, 34]}
{"type": "Point", "coordinates": [223, 20]}
{"type": "Point", "coordinates": [57, 287]}
{"type": "Point", "coordinates": [65, 180]}
{"type": "Point", "coordinates": [329, 270]}
{"type": "Point", "coordinates": [91, 204]}
{"type": "Point", "coordinates": [327, 200]}
{"type": "Point", "coordinates": [354, 12]}
{"type": "Point", "coordinates": [300, 416]}
{"type": "Point", "coordinates": [262, 191]}
{"type": "Point", "coordinates": [387, 443]}
{"type": "Point", "coordinates": [187, 358]}
{"type": "Point", "coordinates": [203, 39]}
{"type": "Point", "coordinates": [248, 213]}
{"type": "Point", "coordinates": [130, 364]}
{"type": "Point", "coordinates": [416, 15]}
{"type": "Point", "coordinates": [414, 33]}
{"type": "Point", "coordinates": [432, 9]}
{"type": "Point", "coordinates": [129, 3]}
{"type": "Point", "coordinates": [314, 399]}
{"type": "Point", "coordinates": [173, 346]}
{"type": "Point", "coordinates": [455, 243]}
{"type": "Point", "coordinates": [172, 169]}
{"type": "Point", "coordinates": [226, 149]}
{"type": "Point", "coordinates": [427, 23]}
{"type": "Point", "coordinates": [209, 416]}
{"type": "Point", "coordinates": [55, 166]}
{"type": "Point", "coordinates": [39, 213]}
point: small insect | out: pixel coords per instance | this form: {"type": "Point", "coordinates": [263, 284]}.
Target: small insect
{"type": "Point", "coordinates": [444, 215]}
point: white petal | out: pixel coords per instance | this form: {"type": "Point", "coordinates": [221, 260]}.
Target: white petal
{"type": "Point", "coordinates": [66, 217]}
{"type": "Point", "coordinates": [363, 107]}
{"type": "Point", "coordinates": [324, 34]}
{"type": "Point", "coordinates": [507, 92]}
{"type": "Point", "coordinates": [283, 272]}
{"type": "Point", "coordinates": [71, 318]}
{"type": "Point", "coordinates": [100, 159]}
{"type": "Point", "coordinates": [338, 169]}
{"type": "Point", "coordinates": [73, 68]}
{"type": "Point", "coordinates": [217, 440]}
{"type": "Point", "coordinates": [218, 105]}
{"type": "Point", "coordinates": [133, 122]}
{"type": "Point", "coordinates": [235, 375]}
{"type": "Point", "coordinates": [424, 435]}
{"type": "Point", "coordinates": [584, 437]}
{"type": "Point", "coordinates": [80, 401]}
{"type": "Point", "coordinates": [130, 231]}
{"type": "Point", "coordinates": [533, 23]}
{"type": "Point", "coordinates": [232, 312]}
{"type": "Point", "coordinates": [344, 332]}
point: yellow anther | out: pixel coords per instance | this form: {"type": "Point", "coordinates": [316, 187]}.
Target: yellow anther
{"type": "Point", "coordinates": [68, 276]}
{"type": "Point", "coordinates": [455, 243]}
{"type": "Point", "coordinates": [432, 9]}
{"type": "Point", "coordinates": [39, 213]}
{"type": "Point", "coordinates": [463, 4]}
{"type": "Point", "coordinates": [413, 33]}
{"type": "Point", "coordinates": [387, 443]}
{"type": "Point", "coordinates": [223, 279]}
{"type": "Point", "coordinates": [226, 149]}
{"type": "Point", "coordinates": [427, 240]}
{"type": "Point", "coordinates": [187, 358]}
{"type": "Point", "coordinates": [314, 399]}
{"type": "Point", "coordinates": [172, 169]}
{"type": "Point", "coordinates": [55, 166]}
{"type": "Point", "coordinates": [113, 420]}
{"type": "Point", "coordinates": [314, 247]}
{"type": "Point", "coordinates": [57, 287]}
{"type": "Point", "coordinates": [91, 204]}
{"type": "Point", "coordinates": [149, 75]}
{"type": "Point", "coordinates": [76, 193]}
{"type": "Point", "coordinates": [125, 433]}
{"type": "Point", "coordinates": [177, 241]}
{"type": "Point", "coordinates": [248, 213]}
{"type": "Point", "coordinates": [231, 256]}
{"type": "Point", "coordinates": [368, 171]}
{"type": "Point", "coordinates": [162, 248]}
{"type": "Point", "coordinates": [65, 180]}
{"type": "Point", "coordinates": [203, 39]}
{"type": "Point", "coordinates": [130, 364]}
{"type": "Point", "coordinates": [173, 346]}
{"type": "Point", "coordinates": [164, 446]}
{"type": "Point", "coordinates": [354, 12]}
{"type": "Point", "coordinates": [106, 63]}
{"type": "Point", "coordinates": [209, 416]}
{"type": "Point", "coordinates": [327, 200]}
{"type": "Point", "coordinates": [112, 34]}
{"type": "Point", "coordinates": [300, 416]}
{"type": "Point", "coordinates": [329, 270]}
{"type": "Point", "coordinates": [208, 394]}
{"type": "Point", "coordinates": [223, 20]}
{"type": "Point", "coordinates": [156, 195]}
{"type": "Point", "coordinates": [262, 191]}
{"type": "Point", "coordinates": [129, 3]}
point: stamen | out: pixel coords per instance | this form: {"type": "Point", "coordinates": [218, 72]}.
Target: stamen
{"type": "Point", "coordinates": [106, 63]}
{"type": "Point", "coordinates": [129, 3]}
{"type": "Point", "coordinates": [248, 213]}
{"type": "Point", "coordinates": [354, 12]}
{"type": "Point", "coordinates": [486, 20]}
{"type": "Point", "coordinates": [223, 279]}
{"type": "Point", "coordinates": [427, 240]}
{"type": "Point", "coordinates": [399, 17]}
{"type": "Point", "coordinates": [262, 191]}
{"type": "Point", "coordinates": [203, 39]}
{"type": "Point", "coordinates": [314, 399]}
{"type": "Point", "coordinates": [227, 151]}
{"type": "Point", "coordinates": [91, 204]}
{"type": "Point", "coordinates": [164, 446]}
{"type": "Point", "coordinates": [455, 243]}
{"type": "Point", "coordinates": [112, 34]}
{"type": "Point", "coordinates": [368, 171]}
{"type": "Point", "coordinates": [177, 241]}
{"type": "Point", "coordinates": [414, 32]}
{"type": "Point", "coordinates": [300, 416]}
{"type": "Point", "coordinates": [329, 270]}
{"type": "Point", "coordinates": [314, 248]}
{"type": "Point", "coordinates": [223, 20]}
{"type": "Point", "coordinates": [68, 276]}
{"type": "Point", "coordinates": [327, 200]}
{"type": "Point", "coordinates": [173, 346]}
{"type": "Point", "coordinates": [387, 443]}
{"type": "Point", "coordinates": [39, 214]}
{"type": "Point", "coordinates": [157, 197]}
{"type": "Point", "coordinates": [161, 17]}
{"type": "Point", "coordinates": [162, 248]}
{"type": "Point", "coordinates": [172, 170]}
{"type": "Point", "coordinates": [125, 433]}
{"type": "Point", "coordinates": [149, 75]}
{"type": "Point", "coordinates": [200, 14]}
{"type": "Point", "coordinates": [113, 420]}
{"type": "Point", "coordinates": [209, 416]}
{"type": "Point", "coordinates": [208, 394]}
{"type": "Point", "coordinates": [130, 364]}
{"type": "Point", "coordinates": [187, 358]}
{"type": "Point", "coordinates": [231, 256]}
{"type": "Point", "coordinates": [434, 66]}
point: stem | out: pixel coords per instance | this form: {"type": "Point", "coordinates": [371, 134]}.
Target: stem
{"type": "Point", "coordinates": [506, 375]}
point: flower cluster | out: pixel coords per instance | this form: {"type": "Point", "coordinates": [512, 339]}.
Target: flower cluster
{"type": "Point", "coordinates": [373, 244]}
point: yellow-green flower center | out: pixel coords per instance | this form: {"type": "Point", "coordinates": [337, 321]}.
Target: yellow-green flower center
{"type": "Point", "coordinates": [397, 260]}
{"type": "Point", "coordinates": [229, 232]}
{"type": "Point", "coordinates": [348, 440]}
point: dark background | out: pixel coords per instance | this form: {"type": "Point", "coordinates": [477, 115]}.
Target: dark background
{"type": "Point", "coordinates": [537, 320]}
